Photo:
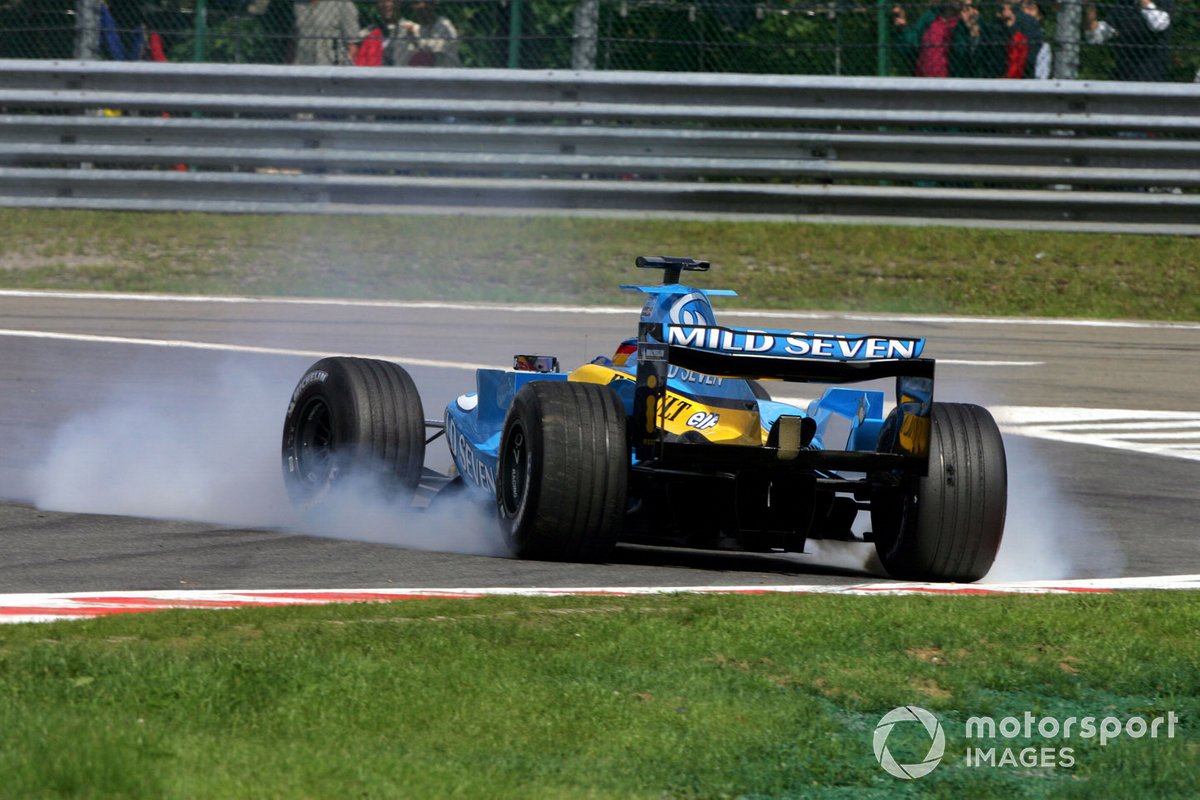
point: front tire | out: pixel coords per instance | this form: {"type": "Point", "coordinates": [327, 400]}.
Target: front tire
{"type": "Point", "coordinates": [352, 418]}
{"type": "Point", "coordinates": [948, 525]}
{"type": "Point", "coordinates": [563, 471]}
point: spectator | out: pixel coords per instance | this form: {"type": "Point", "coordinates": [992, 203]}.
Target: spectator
{"type": "Point", "coordinates": [1140, 30]}
{"type": "Point", "coordinates": [327, 32]}
{"type": "Point", "coordinates": [427, 40]}
{"type": "Point", "coordinates": [1013, 43]}
{"type": "Point", "coordinates": [943, 43]}
{"type": "Point", "coordinates": [1044, 60]}
{"type": "Point", "coordinates": [375, 49]}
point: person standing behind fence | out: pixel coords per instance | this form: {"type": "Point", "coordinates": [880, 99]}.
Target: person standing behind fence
{"type": "Point", "coordinates": [1140, 31]}
{"type": "Point", "coordinates": [1013, 42]}
{"type": "Point", "coordinates": [427, 40]}
{"type": "Point", "coordinates": [1043, 62]}
{"type": "Point", "coordinates": [943, 43]}
{"type": "Point", "coordinates": [375, 49]}
{"type": "Point", "coordinates": [327, 32]}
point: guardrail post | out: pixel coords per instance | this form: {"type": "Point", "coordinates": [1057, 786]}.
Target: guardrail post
{"type": "Point", "coordinates": [882, 39]}
{"type": "Point", "coordinates": [587, 25]}
{"type": "Point", "coordinates": [87, 29]}
{"type": "Point", "coordinates": [1066, 40]}
{"type": "Point", "coordinates": [514, 34]}
{"type": "Point", "coordinates": [199, 53]}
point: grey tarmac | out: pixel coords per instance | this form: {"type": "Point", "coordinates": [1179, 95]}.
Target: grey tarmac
{"type": "Point", "coordinates": [80, 417]}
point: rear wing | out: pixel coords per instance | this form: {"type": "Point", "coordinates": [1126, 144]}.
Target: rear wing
{"type": "Point", "coordinates": [798, 356]}
{"type": "Point", "coordinates": [787, 355]}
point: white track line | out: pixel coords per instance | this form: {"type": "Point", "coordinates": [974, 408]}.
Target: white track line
{"type": "Point", "coordinates": [528, 308]}
{"type": "Point", "coordinates": [962, 362]}
{"type": "Point", "coordinates": [279, 351]}
{"type": "Point", "coordinates": [1163, 433]}
{"type": "Point", "coordinates": [46, 607]}
{"type": "Point", "coordinates": [232, 348]}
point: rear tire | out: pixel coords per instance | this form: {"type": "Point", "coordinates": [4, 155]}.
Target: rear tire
{"type": "Point", "coordinates": [563, 471]}
{"type": "Point", "coordinates": [947, 526]}
{"type": "Point", "coordinates": [353, 418]}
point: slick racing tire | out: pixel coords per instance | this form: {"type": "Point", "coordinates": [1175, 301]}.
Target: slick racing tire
{"type": "Point", "coordinates": [563, 471]}
{"type": "Point", "coordinates": [947, 526]}
{"type": "Point", "coordinates": [353, 419]}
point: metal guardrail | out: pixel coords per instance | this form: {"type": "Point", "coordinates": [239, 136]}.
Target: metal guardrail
{"type": "Point", "coordinates": [1072, 155]}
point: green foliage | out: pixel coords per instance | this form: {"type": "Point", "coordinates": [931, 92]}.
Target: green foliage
{"type": "Point", "coordinates": [239, 38]}
{"type": "Point", "coordinates": [805, 45]}
{"type": "Point", "coordinates": [547, 32]}
{"type": "Point", "coordinates": [479, 46]}
{"type": "Point", "coordinates": [840, 39]}
{"type": "Point", "coordinates": [36, 29]}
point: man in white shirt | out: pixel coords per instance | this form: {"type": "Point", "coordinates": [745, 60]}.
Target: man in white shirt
{"type": "Point", "coordinates": [327, 32]}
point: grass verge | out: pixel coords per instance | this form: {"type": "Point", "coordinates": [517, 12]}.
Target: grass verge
{"type": "Point", "coordinates": [772, 265]}
{"type": "Point", "coordinates": [669, 696]}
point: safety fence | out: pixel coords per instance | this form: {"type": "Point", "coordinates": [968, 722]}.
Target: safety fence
{"type": "Point", "coordinates": [788, 37]}
{"type": "Point", "coordinates": [1071, 155]}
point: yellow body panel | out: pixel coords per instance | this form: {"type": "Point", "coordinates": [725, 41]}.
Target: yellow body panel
{"type": "Point", "coordinates": [681, 413]}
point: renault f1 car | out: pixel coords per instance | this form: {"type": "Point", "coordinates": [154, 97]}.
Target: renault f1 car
{"type": "Point", "coordinates": [675, 440]}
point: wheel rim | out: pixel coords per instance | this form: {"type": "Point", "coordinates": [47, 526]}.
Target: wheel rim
{"type": "Point", "coordinates": [314, 443]}
{"type": "Point", "coordinates": [906, 518]}
{"type": "Point", "coordinates": [515, 477]}
{"type": "Point", "coordinates": [899, 509]}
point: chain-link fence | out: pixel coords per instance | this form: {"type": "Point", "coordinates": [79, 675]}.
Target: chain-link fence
{"type": "Point", "coordinates": [1120, 39]}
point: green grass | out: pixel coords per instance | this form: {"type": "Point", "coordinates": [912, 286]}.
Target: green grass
{"type": "Point", "coordinates": [772, 265]}
{"type": "Point", "coordinates": [670, 696]}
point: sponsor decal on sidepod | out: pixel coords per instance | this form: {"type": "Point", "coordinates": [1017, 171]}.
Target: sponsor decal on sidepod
{"type": "Point", "coordinates": [469, 464]}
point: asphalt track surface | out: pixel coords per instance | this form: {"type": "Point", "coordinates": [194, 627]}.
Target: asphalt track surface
{"type": "Point", "coordinates": [139, 445]}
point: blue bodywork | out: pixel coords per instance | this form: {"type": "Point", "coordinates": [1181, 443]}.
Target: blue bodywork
{"type": "Point", "coordinates": [474, 421]}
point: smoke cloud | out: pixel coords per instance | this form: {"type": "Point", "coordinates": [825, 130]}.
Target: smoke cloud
{"type": "Point", "coordinates": [1047, 534]}
{"type": "Point", "coordinates": [214, 456]}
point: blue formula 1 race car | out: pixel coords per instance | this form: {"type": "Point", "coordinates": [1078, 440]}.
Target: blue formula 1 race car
{"type": "Point", "coordinates": [674, 440]}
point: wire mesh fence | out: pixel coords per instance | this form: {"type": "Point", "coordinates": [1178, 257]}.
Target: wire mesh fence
{"type": "Point", "coordinates": [1118, 39]}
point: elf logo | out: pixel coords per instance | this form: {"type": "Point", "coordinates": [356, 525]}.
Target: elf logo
{"type": "Point", "coordinates": [703, 420]}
